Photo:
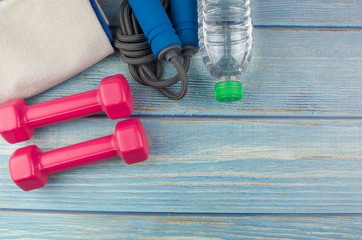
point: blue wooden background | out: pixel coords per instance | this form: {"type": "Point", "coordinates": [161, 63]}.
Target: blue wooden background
{"type": "Point", "coordinates": [285, 162]}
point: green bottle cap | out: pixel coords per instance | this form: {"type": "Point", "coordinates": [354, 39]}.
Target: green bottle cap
{"type": "Point", "coordinates": [228, 91]}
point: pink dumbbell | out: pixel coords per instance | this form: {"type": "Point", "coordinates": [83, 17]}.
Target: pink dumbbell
{"type": "Point", "coordinates": [18, 120]}
{"type": "Point", "coordinates": [30, 167]}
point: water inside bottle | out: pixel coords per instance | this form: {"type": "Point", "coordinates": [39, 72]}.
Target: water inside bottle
{"type": "Point", "coordinates": [225, 32]}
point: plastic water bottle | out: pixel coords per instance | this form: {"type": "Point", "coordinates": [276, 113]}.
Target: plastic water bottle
{"type": "Point", "coordinates": [225, 39]}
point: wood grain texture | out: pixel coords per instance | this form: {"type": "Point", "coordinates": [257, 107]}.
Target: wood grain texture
{"type": "Point", "coordinates": [320, 13]}
{"type": "Point", "coordinates": [293, 73]}
{"type": "Point", "coordinates": [207, 165]}
{"type": "Point", "coordinates": [113, 226]}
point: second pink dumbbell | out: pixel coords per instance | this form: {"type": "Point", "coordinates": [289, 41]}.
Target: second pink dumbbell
{"type": "Point", "coordinates": [18, 120]}
{"type": "Point", "coordinates": [30, 167]}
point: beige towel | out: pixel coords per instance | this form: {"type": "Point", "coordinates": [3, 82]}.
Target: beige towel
{"type": "Point", "coordinates": [45, 42]}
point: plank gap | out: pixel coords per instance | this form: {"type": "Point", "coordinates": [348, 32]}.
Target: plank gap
{"type": "Point", "coordinates": [217, 214]}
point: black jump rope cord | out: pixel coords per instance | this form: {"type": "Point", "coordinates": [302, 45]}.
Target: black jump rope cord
{"type": "Point", "coordinates": [142, 64]}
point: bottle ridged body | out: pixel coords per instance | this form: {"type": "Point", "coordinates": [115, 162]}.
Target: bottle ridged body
{"type": "Point", "coordinates": [225, 37]}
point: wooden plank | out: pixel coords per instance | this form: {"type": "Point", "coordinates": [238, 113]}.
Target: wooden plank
{"type": "Point", "coordinates": [113, 226]}
{"type": "Point", "coordinates": [207, 165]}
{"type": "Point", "coordinates": [285, 13]}
{"type": "Point", "coordinates": [293, 73]}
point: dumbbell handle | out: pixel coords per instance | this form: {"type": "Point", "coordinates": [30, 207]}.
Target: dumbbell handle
{"type": "Point", "coordinates": [62, 109]}
{"type": "Point", "coordinates": [77, 155]}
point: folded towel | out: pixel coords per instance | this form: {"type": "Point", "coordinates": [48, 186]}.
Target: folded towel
{"type": "Point", "coordinates": [45, 42]}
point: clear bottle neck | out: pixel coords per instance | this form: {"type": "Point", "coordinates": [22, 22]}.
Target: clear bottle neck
{"type": "Point", "coordinates": [233, 78]}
